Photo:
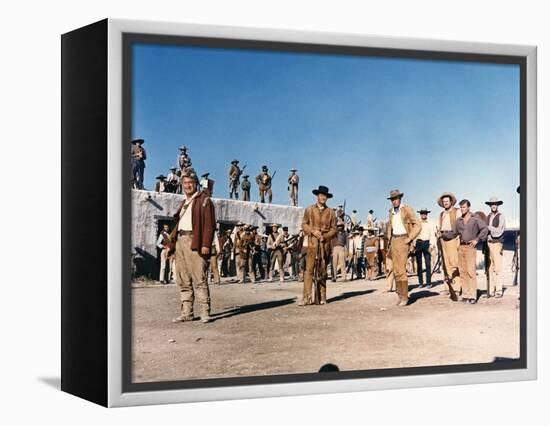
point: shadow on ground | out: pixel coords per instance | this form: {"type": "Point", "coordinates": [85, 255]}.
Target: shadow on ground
{"type": "Point", "coordinates": [421, 295]}
{"type": "Point", "coordinates": [349, 294]}
{"type": "Point", "coordinates": [252, 308]}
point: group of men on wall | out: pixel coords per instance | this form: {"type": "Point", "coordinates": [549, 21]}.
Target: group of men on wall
{"type": "Point", "coordinates": [173, 182]}
{"type": "Point", "coordinates": [198, 250]}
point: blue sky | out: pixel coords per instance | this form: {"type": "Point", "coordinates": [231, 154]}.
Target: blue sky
{"type": "Point", "coordinates": [359, 125]}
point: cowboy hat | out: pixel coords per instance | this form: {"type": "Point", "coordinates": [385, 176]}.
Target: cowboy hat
{"type": "Point", "coordinates": [395, 193]}
{"type": "Point", "coordinates": [134, 141]}
{"type": "Point", "coordinates": [424, 210]}
{"type": "Point", "coordinates": [161, 177]}
{"type": "Point", "coordinates": [372, 211]}
{"type": "Point", "coordinates": [322, 190]}
{"type": "Point", "coordinates": [205, 174]}
{"type": "Point", "coordinates": [183, 148]}
{"type": "Point", "coordinates": [494, 200]}
{"type": "Point", "coordinates": [446, 194]}
{"type": "Point", "coordinates": [246, 176]}
{"type": "Point", "coordinates": [264, 168]}
{"type": "Point", "coordinates": [293, 170]}
{"type": "Point", "coordinates": [235, 162]}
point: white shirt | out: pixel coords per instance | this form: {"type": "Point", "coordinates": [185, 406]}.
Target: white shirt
{"type": "Point", "coordinates": [397, 224]}
{"type": "Point", "coordinates": [186, 222]}
{"type": "Point", "coordinates": [427, 232]}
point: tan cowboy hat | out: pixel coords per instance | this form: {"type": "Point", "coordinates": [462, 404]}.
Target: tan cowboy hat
{"type": "Point", "coordinates": [396, 193]}
{"type": "Point", "coordinates": [446, 194]}
{"type": "Point", "coordinates": [494, 200]}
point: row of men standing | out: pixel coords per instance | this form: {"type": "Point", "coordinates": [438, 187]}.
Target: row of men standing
{"type": "Point", "coordinates": [264, 181]}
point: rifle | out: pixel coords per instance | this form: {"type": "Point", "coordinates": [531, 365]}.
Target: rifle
{"type": "Point", "coordinates": [273, 175]}
{"type": "Point", "coordinates": [316, 274]}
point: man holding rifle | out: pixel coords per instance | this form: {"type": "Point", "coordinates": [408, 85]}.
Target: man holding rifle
{"type": "Point", "coordinates": [319, 225]}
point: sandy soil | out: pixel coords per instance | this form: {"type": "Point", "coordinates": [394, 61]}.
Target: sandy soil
{"type": "Point", "coordinates": [259, 329]}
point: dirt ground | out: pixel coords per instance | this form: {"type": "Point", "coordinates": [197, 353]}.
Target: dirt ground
{"type": "Point", "coordinates": [259, 329]}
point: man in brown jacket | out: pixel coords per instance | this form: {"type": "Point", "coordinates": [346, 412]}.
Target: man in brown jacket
{"type": "Point", "coordinates": [403, 227]}
{"type": "Point", "coordinates": [449, 243]}
{"type": "Point", "coordinates": [319, 225]}
{"type": "Point", "coordinates": [193, 235]}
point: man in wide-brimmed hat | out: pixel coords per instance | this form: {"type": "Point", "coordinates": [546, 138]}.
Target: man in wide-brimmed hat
{"type": "Point", "coordinates": [234, 175]}
{"type": "Point", "coordinates": [184, 160]}
{"type": "Point", "coordinates": [293, 181]}
{"type": "Point", "coordinates": [319, 225]}
{"type": "Point", "coordinates": [264, 184]}
{"type": "Point", "coordinates": [371, 219]}
{"type": "Point", "coordinates": [245, 186]}
{"type": "Point", "coordinates": [371, 251]}
{"type": "Point", "coordinates": [160, 184]}
{"type": "Point", "coordinates": [496, 222]}
{"type": "Point", "coordinates": [339, 251]}
{"type": "Point", "coordinates": [172, 180]}
{"type": "Point", "coordinates": [424, 246]}
{"type": "Point", "coordinates": [275, 245]}
{"type": "Point", "coordinates": [448, 243]}
{"type": "Point", "coordinates": [403, 227]}
{"type": "Point", "coordinates": [138, 157]}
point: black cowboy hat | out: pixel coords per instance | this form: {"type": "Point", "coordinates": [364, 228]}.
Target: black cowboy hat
{"type": "Point", "coordinates": [322, 190]}
{"type": "Point", "coordinates": [371, 211]}
{"type": "Point", "coordinates": [246, 176]}
{"type": "Point", "coordinates": [235, 162]}
{"type": "Point", "coordinates": [264, 167]}
{"type": "Point", "coordinates": [205, 174]}
{"type": "Point", "coordinates": [161, 177]}
{"type": "Point", "coordinates": [134, 141]}
{"type": "Point", "coordinates": [424, 210]}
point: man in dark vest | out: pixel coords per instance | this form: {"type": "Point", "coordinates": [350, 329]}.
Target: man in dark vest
{"type": "Point", "coordinates": [496, 222]}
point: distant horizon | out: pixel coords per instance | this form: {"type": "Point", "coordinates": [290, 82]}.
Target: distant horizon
{"type": "Point", "coordinates": [360, 125]}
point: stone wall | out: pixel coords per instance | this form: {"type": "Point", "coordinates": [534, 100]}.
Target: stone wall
{"type": "Point", "coordinates": [148, 208]}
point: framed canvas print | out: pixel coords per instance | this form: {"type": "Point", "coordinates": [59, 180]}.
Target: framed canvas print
{"type": "Point", "coordinates": [251, 212]}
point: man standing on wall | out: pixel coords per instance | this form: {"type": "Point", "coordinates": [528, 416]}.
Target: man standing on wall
{"type": "Point", "coordinates": [245, 186]}
{"type": "Point", "coordinates": [264, 184]}
{"type": "Point", "coordinates": [234, 175]}
{"type": "Point", "coordinates": [319, 225]}
{"type": "Point", "coordinates": [193, 235]}
{"type": "Point", "coordinates": [471, 230]}
{"type": "Point", "coordinates": [293, 181]}
{"type": "Point", "coordinates": [138, 157]}
{"type": "Point", "coordinates": [496, 222]}
{"type": "Point", "coordinates": [403, 228]}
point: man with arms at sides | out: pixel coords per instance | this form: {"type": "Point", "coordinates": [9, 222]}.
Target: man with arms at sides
{"type": "Point", "coordinates": [403, 227]}
{"type": "Point", "coordinates": [471, 230]}
{"type": "Point", "coordinates": [319, 225]}
{"type": "Point", "coordinates": [449, 243]}
{"type": "Point", "coordinates": [193, 235]}
{"type": "Point", "coordinates": [496, 222]}
{"type": "Point", "coordinates": [424, 245]}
